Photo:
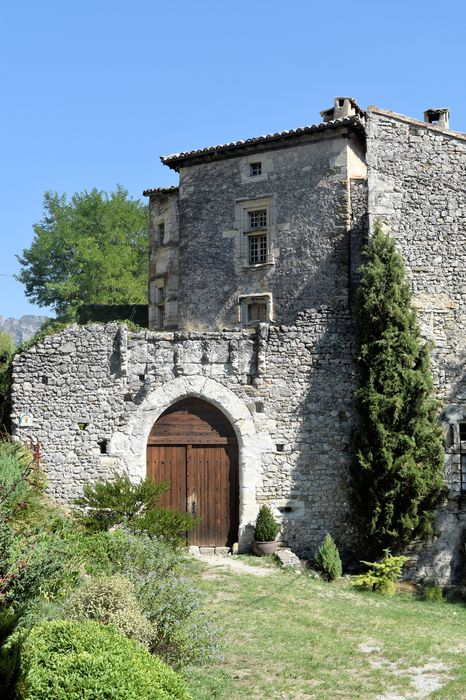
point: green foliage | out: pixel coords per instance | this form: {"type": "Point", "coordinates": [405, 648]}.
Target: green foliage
{"type": "Point", "coordinates": [432, 593]}
{"type": "Point", "coordinates": [41, 565]}
{"type": "Point", "coordinates": [382, 576]}
{"type": "Point", "coordinates": [120, 501]}
{"type": "Point", "coordinates": [328, 560]}
{"type": "Point", "coordinates": [185, 635]}
{"type": "Point", "coordinates": [267, 527]}
{"type": "Point", "coordinates": [111, 600]}
{"type": "Point", "coordinates": [7, 352]}
{"type": "Point", "coordinates": [49, 327]}
{"type": "Point", "coordinates": [20, 484]}
{"type": "Point", "coordinates": [9, 655]}
{"type": "Point", "coordinates": [89, 250]}
{"type": "Point", "coordinates": [397, 473]}
{"type": "Point", "coordinates": [70, 660]}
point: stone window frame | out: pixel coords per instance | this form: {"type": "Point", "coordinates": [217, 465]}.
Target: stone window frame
{"type": "Point", "coordinates": [246, 173]}
{"type": "Point", "coordinates": [160, 224]}
{"type": "Point", "coordinates": [160, 300]}
{"type": "Point", "coordinates": [255, 168]}
{"type": "Point", "coordinates": [245, 207]}
{"type": "Point", "coordinates": [244, 301]}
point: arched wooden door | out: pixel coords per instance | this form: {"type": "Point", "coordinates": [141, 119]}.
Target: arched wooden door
{"type": "Point", "coordinates": [193, 446]}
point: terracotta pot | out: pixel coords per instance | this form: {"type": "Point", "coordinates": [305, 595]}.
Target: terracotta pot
{"type": "Point", "coordinates": [262, 549]}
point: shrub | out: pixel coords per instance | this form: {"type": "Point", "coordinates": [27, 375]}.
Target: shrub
{"type": "Point", "coordinates": [9, 656]}
{"type": "Point", "coordinates": [184, 635]}
{"type": "Point", "coordinates": [7, 352]}
{"type": "Point", "coordinates": [111, 600]}
{"type": "Point", "coordinates": [119, 501]}
{"type": "Point", "coordinates": [383, 575]}
{"type": "Point", "coordinates": [267, 527]}
{"type": "Point", "coordinates": [328, 560]}
{"type": "Point", "coordinates": [70, 660]}
{"type": "Point", "coordinates": [20, 484]}
{"type": "Point", "coordinates": [432, 593]}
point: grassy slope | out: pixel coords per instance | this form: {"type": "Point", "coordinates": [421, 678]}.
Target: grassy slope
{"type": "Point", "coordinates": [289, 636]}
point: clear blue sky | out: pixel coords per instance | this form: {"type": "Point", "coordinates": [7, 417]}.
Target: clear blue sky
{"type": "Point", "coordinates": [93, 92]}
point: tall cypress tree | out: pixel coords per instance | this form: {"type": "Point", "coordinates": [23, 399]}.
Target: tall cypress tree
{"type": "Point", "coordinates": [398, 469]}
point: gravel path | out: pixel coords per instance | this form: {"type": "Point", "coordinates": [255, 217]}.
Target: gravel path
{"type": "Point", "coordinates": [234, 564]}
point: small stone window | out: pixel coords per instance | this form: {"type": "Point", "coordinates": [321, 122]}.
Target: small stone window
{"type": "Point", "coordinates": [160, 305]}
{"type": "Point", "coordinates": [255, 168]}
{"type": "Point", "coordinates": [103, 446]}
{"type": "Point", "coordinates": [160, 233]}
{"type": "Point", "coordinates": [254, 309]}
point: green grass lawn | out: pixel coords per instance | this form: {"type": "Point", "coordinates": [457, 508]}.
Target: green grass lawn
{"type": "Point", "coordinates": [291, 636]}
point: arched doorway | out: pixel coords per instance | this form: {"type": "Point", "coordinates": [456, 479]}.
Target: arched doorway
{"type": "Point", "coordinates": [194, 447]}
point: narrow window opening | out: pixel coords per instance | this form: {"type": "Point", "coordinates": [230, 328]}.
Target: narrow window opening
{"type": "Point", "coordinates": [250, 379]}
{"type": "Point", "coordinates": [462, 428]}
{"type": "Point", "coordinates": [82, 425]}
{"type": "Point", "coordinates": [280, 447]}
{"type": "Point", "coordinates": [285, 509]}
{"type": "Point", "coordinates": [255, 168]}
{"type": "Point", "coordinates": [160, 306]}
{"type": "Point", "coordinates": [341, 103]}
{"type": "Point", "coordinates": [142, 377]}
{"type": "Point", "coordinates": [259, 407]}
{"type": "Point", "coordinates": [103, 444]}
{"type": "Point", "coordinates": [45, 380]}
{"type": "Point", "coordinates": [160, 233]}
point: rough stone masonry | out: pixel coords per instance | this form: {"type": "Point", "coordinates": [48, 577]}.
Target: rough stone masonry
{"type": "Point", "coordinates": [253, 266]}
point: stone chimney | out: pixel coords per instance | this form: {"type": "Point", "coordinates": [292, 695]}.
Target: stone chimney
{"type": "Point", "coordinates": [438, 117]}
{"type": "Point", "coordinates": [342, 107]}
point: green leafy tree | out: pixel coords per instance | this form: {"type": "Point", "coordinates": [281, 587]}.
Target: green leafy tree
{"type": "Point", "coordinates": [91, 249]}
{"type": "Point", "coordinates": [7, 352]}
{"type": "Point", "coordinates": [398, 472]}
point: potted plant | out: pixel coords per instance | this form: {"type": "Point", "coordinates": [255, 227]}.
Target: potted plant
{"type": "Point", "coordinates": [265, 534]}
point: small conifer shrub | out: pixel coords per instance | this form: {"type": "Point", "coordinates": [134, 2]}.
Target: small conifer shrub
{"type": "Point", "coordinates": [432, 593]}
{"type": "Point", "coordinates": [267, 527]}
{"type": "Point", "coordinates": [382, 576]}
{"type": "Point", "coordinates": [328, 560]}
{"type": "Point", "coordinates": [398, 469]}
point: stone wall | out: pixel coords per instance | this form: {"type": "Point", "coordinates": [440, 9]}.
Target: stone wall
{"type": "Point", "coordinates": [416, 176]}
{"type": "Point", "coordinates": [305, 188]}
{"type": "Point", "coordinates": [163, 258]}
{"type": "Point", "coordinates": [286, 390]}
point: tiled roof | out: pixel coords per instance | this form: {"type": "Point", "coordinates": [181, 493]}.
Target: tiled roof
{"type": "Point", "coordinates": [160, 190]}
{"type": "Point", "coordinates": [176, 159]}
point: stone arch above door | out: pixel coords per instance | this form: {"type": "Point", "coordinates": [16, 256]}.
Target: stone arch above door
{"type": "Point", "coordinates": [130, 445]}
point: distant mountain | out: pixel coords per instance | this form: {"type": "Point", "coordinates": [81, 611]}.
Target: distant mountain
{"type": "Point", "coordinates": [23, 328]}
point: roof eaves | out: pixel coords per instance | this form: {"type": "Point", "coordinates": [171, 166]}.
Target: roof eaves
{"type": "Point", "coordinates": [175, 159]}
{"type": "Point", "coordinates": [160, 190]}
